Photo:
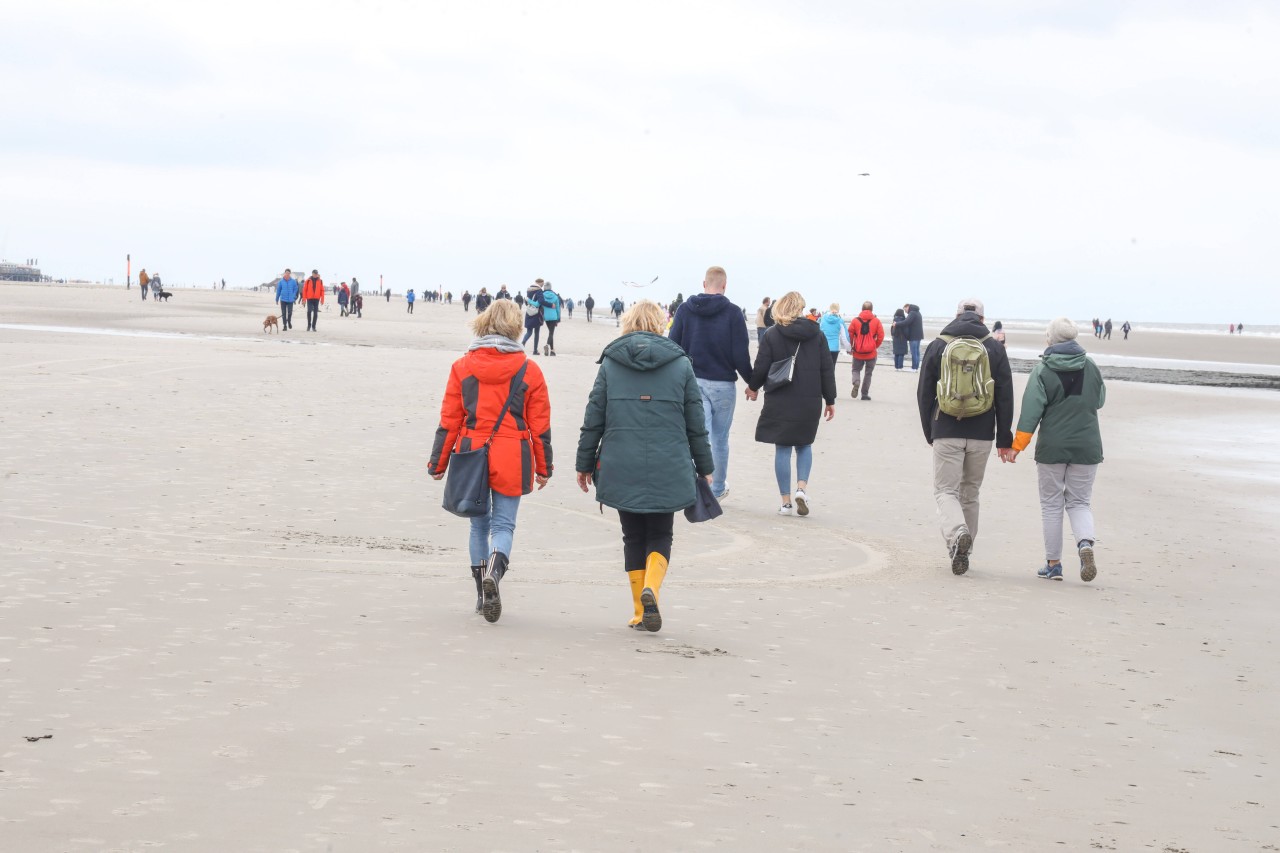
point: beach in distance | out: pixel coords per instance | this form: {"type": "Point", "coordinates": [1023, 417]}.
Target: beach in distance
{"type": "Point", "coordinates": [233, 615]}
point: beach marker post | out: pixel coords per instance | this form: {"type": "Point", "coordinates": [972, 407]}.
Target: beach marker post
{"type": "Point", "coordinates": [128, 271]}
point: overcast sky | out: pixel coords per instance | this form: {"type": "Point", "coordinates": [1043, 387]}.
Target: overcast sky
{"type": "Point", "coordinates": [1109, 158]}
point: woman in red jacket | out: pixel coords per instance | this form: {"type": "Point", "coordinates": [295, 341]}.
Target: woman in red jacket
{"type": "Point", "coordinates": [520, 455]}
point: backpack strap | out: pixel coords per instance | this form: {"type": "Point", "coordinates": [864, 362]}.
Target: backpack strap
{"type": "Point", "coordinates": [515, 381]}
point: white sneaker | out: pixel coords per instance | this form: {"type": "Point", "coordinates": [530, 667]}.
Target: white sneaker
{"type": "Point", "coordinates": [802, 502]}
{"type": "Point", "coordinates": [785, 509]}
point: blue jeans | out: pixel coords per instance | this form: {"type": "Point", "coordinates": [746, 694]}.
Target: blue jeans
{"type": "Point", "coordinates": [782, 465]}
{"type": "Point", "coordinates": [718, 402]}
{"type": "Point", "coordinates": [495, 531]}
{"type": "Point", "coordinates": [536, 332]}
{"type": "Point", "coordinates": [915, 354]}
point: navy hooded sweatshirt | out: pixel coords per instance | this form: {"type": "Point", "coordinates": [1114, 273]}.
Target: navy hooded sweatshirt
{"type": "Point", "coordinates": [711, 330]}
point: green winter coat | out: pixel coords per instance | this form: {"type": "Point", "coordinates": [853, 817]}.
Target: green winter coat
{"type": "Point", "coordinates": [644, 434]}
{"type": "Point", "coordinates": [1063, 395]}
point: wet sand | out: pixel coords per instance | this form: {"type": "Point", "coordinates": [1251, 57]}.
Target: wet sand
{"type": "Point", "coordinates": [229, 596]}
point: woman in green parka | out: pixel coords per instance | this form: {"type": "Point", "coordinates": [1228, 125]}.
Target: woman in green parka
{"type": "Point", "coordinates": [1063, 395]}
{"type": "Point", "coordinates": [644, 442]}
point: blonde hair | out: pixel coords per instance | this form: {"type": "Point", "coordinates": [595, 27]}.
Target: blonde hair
{"type": "Point", "coordinates": [788, 308]}
{"type": "Point", "coordinates": [502, 317]}
{"type": "Point", "coordinates": [645, 316]}
{"type": "Point", "coordinates": [717, 277]}
{"type": "Point", "coordinates": [835, 308]}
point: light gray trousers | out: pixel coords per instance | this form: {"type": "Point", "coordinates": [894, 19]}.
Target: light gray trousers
{"type": "Point", "coordinates": [1069, 487]}
{"type": "Point", "coordinates": [959, 464]}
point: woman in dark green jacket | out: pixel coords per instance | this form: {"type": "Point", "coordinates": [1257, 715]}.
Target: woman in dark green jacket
{"type": "Point", "coordinates": [1062, 398]}
{"type": "Point", "coordinates": [644, 441]}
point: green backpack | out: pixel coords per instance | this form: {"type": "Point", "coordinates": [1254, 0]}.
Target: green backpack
{"type": "Point", "coordinates": [965, 386]}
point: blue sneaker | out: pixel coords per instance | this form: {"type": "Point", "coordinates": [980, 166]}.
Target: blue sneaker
{"type": "Point", "coordinates": [1048, 572]}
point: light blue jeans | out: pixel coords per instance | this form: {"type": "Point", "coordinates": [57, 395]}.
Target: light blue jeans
{"type": "Point", "coordinates": [914, 346]}
{"type": "Point", "coordinates": [495, 531]}
{"type": "Point", "coordinates": [718, 402]}
{"type": "Point", "coordinates": [782, 465]}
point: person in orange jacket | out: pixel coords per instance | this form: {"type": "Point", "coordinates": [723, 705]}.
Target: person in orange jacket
{"type": "Point", "coordinates": [520, 454]}
{"type": "Point", "coordinates": [866, 333]}
{"type": "Point", "coordinates": [313, 294]}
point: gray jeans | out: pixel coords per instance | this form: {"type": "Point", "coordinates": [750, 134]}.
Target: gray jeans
{"type": "Point", "coordinates": [860, 365]}
{"type": "Point", "coordinates": [1065, 487]}
{"type": "Point", "coordinates": [959, 464]}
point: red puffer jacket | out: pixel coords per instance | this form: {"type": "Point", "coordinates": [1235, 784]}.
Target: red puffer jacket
{"type": "Point", "coordinates": [479, 383]}
{"type": "Point", "coordinates": [865, 347]}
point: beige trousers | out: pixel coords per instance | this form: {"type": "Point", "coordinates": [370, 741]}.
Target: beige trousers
{"type": "Point", "coordinates": [959, 465]}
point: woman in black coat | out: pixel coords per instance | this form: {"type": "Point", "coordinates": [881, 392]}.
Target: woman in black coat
{"type": "Point", "coordinates": [790, 416]}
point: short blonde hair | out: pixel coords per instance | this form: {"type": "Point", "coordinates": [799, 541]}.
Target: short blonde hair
{"type": "Point", "coordinates": [835, 308]}
{"type": "Point", "coordinates": [502, 317]}
{"type": "Point", "coordinates": [788, 308]}
{"type": "Point", "coordinates": [645, 316]}
{"type": "Point", "coordinates": [716, 277]}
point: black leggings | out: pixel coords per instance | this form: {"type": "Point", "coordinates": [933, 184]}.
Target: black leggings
{"type": "Point", "coordinates": [644, 533]}
{"type": "Point", "coordinates": [551, 333]}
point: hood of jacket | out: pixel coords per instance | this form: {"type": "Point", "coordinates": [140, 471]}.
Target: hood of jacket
{"type": "Point", "coordinates": [642, 351]}
{"type": "Point", "coordinates": [1065, 357]}
{"type": "Point", "coordinates": [831, 324]}
{"type": "Point", "coordinates": [968, 323]}
{"type": "Point", "coordinates": [492, 364]}
{"type": "Point", "coordinates": [800, 329]}
{"type": "Point", "coordinates": [708, 304]}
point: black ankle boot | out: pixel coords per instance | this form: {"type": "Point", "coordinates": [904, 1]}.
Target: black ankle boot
{"type": "Point", "coordinates": [477, 573]}
{"type": "Point", "coordinates": [491, 605]}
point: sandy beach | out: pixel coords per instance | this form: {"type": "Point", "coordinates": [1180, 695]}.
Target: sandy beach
{"type": "Point", "coordinates": [230, 599]}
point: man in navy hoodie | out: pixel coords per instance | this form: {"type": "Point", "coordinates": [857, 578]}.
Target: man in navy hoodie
{"type": "Point", "coordinates": [711, 330]}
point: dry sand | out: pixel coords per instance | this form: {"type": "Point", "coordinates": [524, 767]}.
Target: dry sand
{"type": "Point", "coordinates": [229, 595]}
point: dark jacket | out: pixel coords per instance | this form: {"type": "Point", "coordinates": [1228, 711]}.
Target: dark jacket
{"type": "Point", "coordinates": [710, 329]}
{"type": "Point", "coordinates": [790, 414]}
{"type": "Point", "coordinates": [644, 435]}
{"type": "Point", "coordinates": [483, 300]}
{"type": "Point", "coordinates": [1062, 397]}
{"type": "Point", "coordinates": [533, 311]}
{"type": "Point", "coordinates": [898, 331]}
{"type": "Point", "coordinates": [996, 421]}
{"type": "Point", "coordinates": [915, 323]}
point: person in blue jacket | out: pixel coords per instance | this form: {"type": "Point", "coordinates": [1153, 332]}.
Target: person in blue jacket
{"type": "Point", "coordinates": [551, 316]}
{"type": "Point", "coordinates": [833, 329]}
{"type": "Point", "coordinates": [286, 295]}
{"type": "Point", "coordinates": [409, 297]}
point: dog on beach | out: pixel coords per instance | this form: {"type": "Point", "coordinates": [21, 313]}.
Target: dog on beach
{"type": "Point", "coordinates": [271, 322]}
{"type": "Point", "coordinates": [164, 294]}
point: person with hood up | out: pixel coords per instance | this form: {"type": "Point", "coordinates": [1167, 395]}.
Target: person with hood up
{"type": "Point", "coordinates": [898, 333]}
{"type": "Point", "coordinates": [479, 385]}
{"type": "Point", "coordinates": [791, 413]}
{"type": "Point", "coordinates": [832, 325]}
{"type": "Point", "coordinates": [867, 334]}
{"type": "Point", "coordinates": [643, 443]}
{"type": "Point", "coordinates": [962, 445]}
{"type": "Point", "coordinates": [1063, 395]}
{"type": "Point", "coordinates": [286, 295]}
{"type": "Point", "coordinates": [711, 330]}
{"type": "Point", "coordinates": [915, 333]}
{"type": "Point", "coordinates": [313, 295]}
{"type": "Point", "coordinates": [344, 298]}
{"type": "Point", "coordinates": [532, 314]}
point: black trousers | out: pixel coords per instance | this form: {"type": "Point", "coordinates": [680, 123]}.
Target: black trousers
{"type": "Point", "coordinates": [313, 312]}
{"type": "Point", "coordinates": [551, 333]}
{"type": "Point", "coordinates": [286, 315]}
{"type": "Point", "coordinates": [644, 533]}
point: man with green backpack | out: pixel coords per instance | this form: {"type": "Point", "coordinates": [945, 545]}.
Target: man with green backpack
{"type": "Point", "coordinates": [965, 397]}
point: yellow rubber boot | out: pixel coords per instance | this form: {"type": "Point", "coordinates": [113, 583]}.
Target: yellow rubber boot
{"type": "Point", "coordinates": [637, 586]}
{"type": "Point", "coordinates": [655, 570]}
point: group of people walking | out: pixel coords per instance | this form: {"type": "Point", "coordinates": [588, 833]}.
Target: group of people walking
{"type": "Point", "coordinates": [659, 414]}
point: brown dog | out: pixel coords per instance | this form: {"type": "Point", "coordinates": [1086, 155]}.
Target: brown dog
{"type": "Point", "coordinates": [270, 322]}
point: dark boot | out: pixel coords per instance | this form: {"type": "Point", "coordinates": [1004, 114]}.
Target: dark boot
{"type": "Point", "coordinates": [477, 573]}
{"type": "Point", "coordinates": [492, 603]}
